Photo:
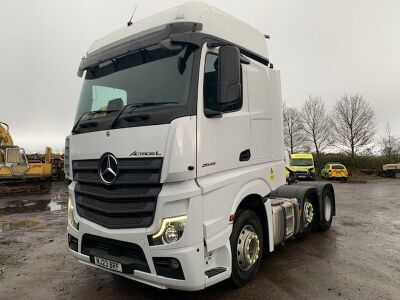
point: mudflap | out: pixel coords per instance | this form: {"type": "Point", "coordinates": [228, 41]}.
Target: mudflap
{"type": "Point", "coordinates": [321, 187]}
{"type": "Point", "coordinates": [298, 192]}
{"type": "Point", "coordinates": [301, 190]}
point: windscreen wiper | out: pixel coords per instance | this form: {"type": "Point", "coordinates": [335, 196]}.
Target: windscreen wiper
{"type": "Point", "coordinates": [137, 105]}
{"type": "Point", "coordinates": [91, 113]}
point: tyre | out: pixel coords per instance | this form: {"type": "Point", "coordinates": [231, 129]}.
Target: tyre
{"type": "Point", "coordinates": [247, 247]}
{"type": "Point", "coordinates": [326, 211]}
{"type": "Point", "coordinates": [307, 219]}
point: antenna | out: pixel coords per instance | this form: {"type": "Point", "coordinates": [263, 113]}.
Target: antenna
{"type": "Point", "coordinates": [130, 20]}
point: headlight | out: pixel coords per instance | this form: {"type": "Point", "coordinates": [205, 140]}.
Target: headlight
{"type": "Point", "coordinates": [170, 231]}
{"type": "Point", "coordinates": [71, 215]}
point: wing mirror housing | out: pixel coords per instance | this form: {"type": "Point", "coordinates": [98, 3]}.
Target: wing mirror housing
{"type": "Point", "coordinates": [229, 86]}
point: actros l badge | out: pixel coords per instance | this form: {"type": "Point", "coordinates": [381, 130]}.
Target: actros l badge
{"type": "Point", "coordinates": [108, 168]}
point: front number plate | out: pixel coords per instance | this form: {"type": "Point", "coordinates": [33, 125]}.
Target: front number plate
{"type": "Point", "coordinates": [108, 264]}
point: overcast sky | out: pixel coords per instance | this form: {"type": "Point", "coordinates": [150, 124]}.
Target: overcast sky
{"type": "Point", "coordinates": [325, 48]}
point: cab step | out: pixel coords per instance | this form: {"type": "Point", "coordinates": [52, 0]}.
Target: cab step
{"type": "Point", "coordinates": [215, 271]}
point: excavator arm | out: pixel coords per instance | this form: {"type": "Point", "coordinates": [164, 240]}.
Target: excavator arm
{"type": "Point", "coordinates": [5, 137]}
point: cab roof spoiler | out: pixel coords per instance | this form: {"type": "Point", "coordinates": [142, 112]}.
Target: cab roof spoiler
{"type": "Point", "coordinates": [136, 42]}
{"type": "Point", "coordinates": [182, 32]}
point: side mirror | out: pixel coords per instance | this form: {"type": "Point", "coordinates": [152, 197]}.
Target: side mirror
{"type": "Point", "coordinates": [229, 86]}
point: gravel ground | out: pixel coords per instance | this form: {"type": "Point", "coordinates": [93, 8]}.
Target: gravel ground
{"type": "Point", "coordinates": [359, 258]}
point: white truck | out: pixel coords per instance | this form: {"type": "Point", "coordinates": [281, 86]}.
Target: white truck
{"type": "Point", "coordinates": [176, 157]}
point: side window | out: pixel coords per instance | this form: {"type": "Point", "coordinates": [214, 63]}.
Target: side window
{"type": "Point", "coordinates": [102, 95]}
{"type": "Point", "coordinates": [16, 156]}
{"type": "Point", "coordinates": [210, 87]}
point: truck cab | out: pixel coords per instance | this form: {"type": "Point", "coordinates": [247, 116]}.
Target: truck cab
{"type": "Point", "coordinates": [176, 155]}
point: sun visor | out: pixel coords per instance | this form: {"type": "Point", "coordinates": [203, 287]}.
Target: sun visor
{"type": "Point", "coordinates": [136, 42]}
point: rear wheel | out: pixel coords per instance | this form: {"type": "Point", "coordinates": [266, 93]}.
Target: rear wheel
{"type": "Point", "coordinates": [326, 211]}
{"type": "Point", "coordinates": [246, 245]}
{"type": "Point", "coordinates": [307, 218]}
{"type": "Point", "coordinates": [308, 214]}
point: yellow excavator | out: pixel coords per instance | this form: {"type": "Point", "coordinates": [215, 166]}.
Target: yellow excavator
{"type": "Point", "coordinates": [17, 174]}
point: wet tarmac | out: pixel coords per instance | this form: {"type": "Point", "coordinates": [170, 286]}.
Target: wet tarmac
{"type": "Point", "coordinates": [359, 258]}
{"type": "Point", "coordinates": [54, 201]}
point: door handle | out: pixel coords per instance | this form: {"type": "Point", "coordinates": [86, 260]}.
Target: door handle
{"type": "Point", "coordinates": [245, 155]}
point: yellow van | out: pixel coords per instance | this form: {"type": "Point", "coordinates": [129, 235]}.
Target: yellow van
{"type": "Point", "coordinates": [303, 166]}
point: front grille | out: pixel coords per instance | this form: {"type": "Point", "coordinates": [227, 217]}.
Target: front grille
{"type": "Point", "coordinates": [129, 255]}
{"type": "Point", "coordinates": [130, 202]}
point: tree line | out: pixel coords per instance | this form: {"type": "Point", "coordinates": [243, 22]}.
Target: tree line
{"type": "Point", "coordinates": [350, 128]}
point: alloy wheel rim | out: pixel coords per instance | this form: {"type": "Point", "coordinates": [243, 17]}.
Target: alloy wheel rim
{"type": "Point", "coordinates": [248, 248]}
{"type": "Point", "coordinates": [308, 213]}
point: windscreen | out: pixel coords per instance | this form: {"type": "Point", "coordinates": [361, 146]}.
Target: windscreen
{"type": "Point", "coordinates": [151, 75]}
{"type": "Point", "coordinates": [338, 167]}
{"type": "Point", "coordinates": [302, 162]}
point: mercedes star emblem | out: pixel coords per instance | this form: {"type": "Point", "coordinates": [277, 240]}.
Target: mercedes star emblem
{"type": "Point", "coordinates": [108, 169]}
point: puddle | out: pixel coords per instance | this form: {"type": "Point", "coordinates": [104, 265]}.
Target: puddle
{"type": "Point", "coordinates": [56, 200]}
{"type": "Point", "coordinates": [26, 224]}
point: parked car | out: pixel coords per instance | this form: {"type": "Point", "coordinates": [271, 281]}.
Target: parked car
{"type": "Point", "coordinates": [335, 171]}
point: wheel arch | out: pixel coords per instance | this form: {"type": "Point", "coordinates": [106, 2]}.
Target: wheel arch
{"type": "Point", "coordinates": [253, 196]}
{"type": "Point", "coordinates": [255, 203]}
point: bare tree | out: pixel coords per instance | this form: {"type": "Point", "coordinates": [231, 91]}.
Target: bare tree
{"type": "Point", "coordinates": [354, 123]}
{"type": "Point", "coordinates": [390, 144]}
{"type": "Point", "coordinates": [292, 129]}
{"type": "Point", "coordinates": [317, 124]}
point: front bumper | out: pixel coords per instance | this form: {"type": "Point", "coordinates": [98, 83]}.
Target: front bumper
{"type": "Point", "coordinates": [191, 259]}
{"type": "Point", "coordinates": [305, 176]}
{"type": "Point", "coordinates": [174, 200]}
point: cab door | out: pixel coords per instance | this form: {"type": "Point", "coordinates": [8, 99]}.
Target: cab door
{"type": "Point", "coordinates": [223, 142]}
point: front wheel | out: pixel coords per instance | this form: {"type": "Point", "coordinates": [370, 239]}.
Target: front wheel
{"type": "Point", "coordinates": [247, 247]}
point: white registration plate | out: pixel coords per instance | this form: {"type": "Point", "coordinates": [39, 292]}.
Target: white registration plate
{"type": "Point", "coordinates": [108, 264]}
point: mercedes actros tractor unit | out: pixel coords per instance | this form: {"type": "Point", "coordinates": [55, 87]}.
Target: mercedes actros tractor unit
{"type": "Point", "coordinates": [176, 158]}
